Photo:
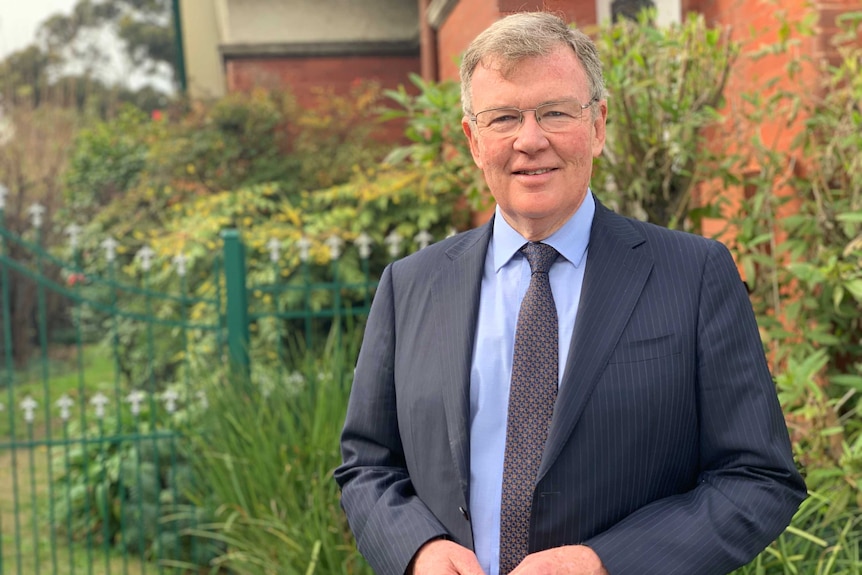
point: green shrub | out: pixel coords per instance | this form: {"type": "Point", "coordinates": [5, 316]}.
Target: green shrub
{"type": "Point", "coordinates": [664, 86]}
{"type": "Point", "coordinates": [437, 145]}
{"type": "Point", "coordinates": [265, 454]}
{"type": "Point", "coordinates": [124, 483]}
{"type": "Point", "coordinates": [244, 162]}
{"type": "Point", "coordinates": [106, 161]}
{"type": "Point", "coordinates": [801, 254]}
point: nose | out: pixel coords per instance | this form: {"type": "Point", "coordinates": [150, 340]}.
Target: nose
{"type": "Point", "coordinates": [530, 136]}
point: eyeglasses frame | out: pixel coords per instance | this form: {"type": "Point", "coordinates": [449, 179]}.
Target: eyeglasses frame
{"type": "Point", "coordinates": [535, 111]}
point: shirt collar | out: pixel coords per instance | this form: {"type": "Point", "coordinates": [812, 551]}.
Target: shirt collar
{"type": "Point", "coordinates": [571, 240]}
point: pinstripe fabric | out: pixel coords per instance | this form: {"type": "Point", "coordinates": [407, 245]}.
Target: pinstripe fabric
{"type": "Point", "coordinates": [531, 403]}
{"type": "Point", "coordinates": [667, 454]}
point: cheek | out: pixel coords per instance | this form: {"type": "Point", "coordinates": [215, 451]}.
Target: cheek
{"type": "Point", "coordinates": [579, 154]}
{"type": "Point", "coordinates": [493, 157]}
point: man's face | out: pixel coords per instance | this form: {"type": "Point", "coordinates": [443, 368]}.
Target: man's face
{"type": "Point", "coordinates": [538, 179]}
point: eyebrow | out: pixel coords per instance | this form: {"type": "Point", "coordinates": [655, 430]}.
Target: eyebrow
{"type": "Point", "coordinates": [514, 107]}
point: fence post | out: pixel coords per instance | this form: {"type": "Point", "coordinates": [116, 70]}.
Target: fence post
{"type": "Point", "coordinates": [237, 302]}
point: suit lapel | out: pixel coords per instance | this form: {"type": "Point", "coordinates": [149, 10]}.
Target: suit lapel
{"type": "Point", "coordinates": [613, 280]}
{"type": "Point", "coordinates": [456, 298]}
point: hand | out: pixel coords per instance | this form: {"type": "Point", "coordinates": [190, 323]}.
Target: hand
{"type": "Point", "coordinates": [441, 557]}
{"type": "Point", "coordinates": [568, 560]}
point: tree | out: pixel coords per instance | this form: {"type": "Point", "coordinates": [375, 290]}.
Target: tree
{"type": "Point", "coordinates": [67, 63]}
{"type": "Point", "coordinates": [143, 27]}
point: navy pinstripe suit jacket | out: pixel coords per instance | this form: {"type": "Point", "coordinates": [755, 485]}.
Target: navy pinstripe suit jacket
{"type": "Point", "coordinates": [667, 453]}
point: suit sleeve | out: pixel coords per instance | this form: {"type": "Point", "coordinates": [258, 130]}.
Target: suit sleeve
{"type": "Point", "coordinates": [388, 519]}
{"type": "Point", "coordinates": [748, 487]}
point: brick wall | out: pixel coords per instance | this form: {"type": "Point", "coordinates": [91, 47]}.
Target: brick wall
{"type": "Point", "coordinates": [577, 11]}
{"type": "Point", "coordinates": [464, 23]}
{"type": "Point", "coordinates": [470, 17]}
{"type": "Point", "coordinates": [304, 76]}
{"type": "Point", "coordinates": [755, 25]}
{"type": "Point", "coordinates": [827, 27]}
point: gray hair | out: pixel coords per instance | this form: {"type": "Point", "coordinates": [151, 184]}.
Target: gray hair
{"type": "Point", "coordinates": [524, 35]}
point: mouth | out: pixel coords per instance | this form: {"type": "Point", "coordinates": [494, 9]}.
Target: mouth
{"type": "Point", "coordinates": [538, 172]}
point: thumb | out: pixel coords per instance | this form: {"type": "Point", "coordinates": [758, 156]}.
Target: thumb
{"type": "Point", "coordinates": [467, 564]}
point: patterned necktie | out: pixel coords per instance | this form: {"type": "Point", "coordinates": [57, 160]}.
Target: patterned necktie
{"type": "Point", "coordinates": [532, 394]}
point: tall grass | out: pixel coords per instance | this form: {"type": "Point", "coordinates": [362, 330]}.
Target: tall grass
{"type": "Point", "coordinates": [825, 538]}
{"type": "Point", "coordinates": [265, 454]}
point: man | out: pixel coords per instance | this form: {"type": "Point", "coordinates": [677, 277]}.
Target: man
{"type": "Point", "coordinates": [598, 406]}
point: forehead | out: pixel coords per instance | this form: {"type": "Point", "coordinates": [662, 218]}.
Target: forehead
{"type": "Point", "coordinates": [529, 81]}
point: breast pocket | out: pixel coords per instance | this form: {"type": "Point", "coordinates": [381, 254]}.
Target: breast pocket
{"type": "Point", "coordinates": [639, 350]}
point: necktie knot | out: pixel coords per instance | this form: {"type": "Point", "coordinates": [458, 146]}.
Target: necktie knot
{"type": "Point", "coordinates": [540, 256]}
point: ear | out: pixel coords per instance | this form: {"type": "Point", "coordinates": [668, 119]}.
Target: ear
{"type": "Point", "coordinates": [473, 139]}
{"type": "Point", "coordinates": [598, 129]}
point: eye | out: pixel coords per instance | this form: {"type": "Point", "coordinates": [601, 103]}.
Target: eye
{"type": "Point", "coordinates": [555, 114]}
{"type": "Point", "coordinates": [504, 117]}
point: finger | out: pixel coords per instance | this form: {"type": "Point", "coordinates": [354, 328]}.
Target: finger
{"type": "Point", "coordinates": [467, 564]}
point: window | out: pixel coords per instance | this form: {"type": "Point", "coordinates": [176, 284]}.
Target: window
{"type": "Point", "coordinates": [668, 11]}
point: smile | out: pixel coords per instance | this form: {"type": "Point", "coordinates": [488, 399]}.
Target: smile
{"type": "Point", "coordinates": [535, 172]}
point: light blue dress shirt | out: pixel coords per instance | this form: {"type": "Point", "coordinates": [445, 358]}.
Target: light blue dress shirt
{"type": "Point", "coordinates": [505, 279]}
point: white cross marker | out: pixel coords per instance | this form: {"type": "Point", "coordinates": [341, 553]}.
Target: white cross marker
{"type": "Point", "coordinates": [136, 398]}
{"type": "Point", "coordinates": [29, 405]}
{"type": "Point", "coordinates": [99, 401]}
{"type": "Point", "coordinates": [334, 245]}
{"type": "Point", "coordinates": [304, 245]}
{"type": "Point", "coordinates": [180, 261]}
{"type": "Point", "coordinates": [274, 247]}
{"type": "Point", "coordinates": [423, 238]}
{"type": "Point", "coordinates": [170, 398]}
{"type": "Point", "coordinates": [36, 211]}
{"type": "Point", "coordinates": [393, 240]}
{"type": "Point", "coordinates": [363, 242]}
{"type": "Point", "coordinates": [146, 255]}
{"type": "Point", "coordinates": [65, 404]}
{"type": "Point", "coordinates": [110, 245]}
{"type": "Point", "coordinates": [74, 233]}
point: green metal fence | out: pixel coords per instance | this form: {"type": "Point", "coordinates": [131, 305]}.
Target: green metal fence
{"type": "Point", "coordinates": [93, 468]}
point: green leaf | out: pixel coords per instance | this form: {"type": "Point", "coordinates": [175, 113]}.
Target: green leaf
{"type": "Point", "coordinates": [805, 535]}
{"type": "Point", "coordinates": [837, 295]}
{"type": "Point", "coordinates": [854, 286]}
{"type": "Point", "coordinates": [847, 380]}
{"type": "Point", "coordinates": [849, 217]}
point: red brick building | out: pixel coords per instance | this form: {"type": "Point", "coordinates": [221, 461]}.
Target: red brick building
{"type": "Point", "coordinates": [236, 45]}
{"type": "Point", "coordinates": [303, 45]}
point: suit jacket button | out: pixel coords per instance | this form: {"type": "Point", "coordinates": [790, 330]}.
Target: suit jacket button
{"type": "Point", "coordinates": [464, 513]}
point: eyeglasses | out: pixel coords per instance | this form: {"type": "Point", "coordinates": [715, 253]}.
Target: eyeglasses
{"type": "Point", "coordinates": [552, 117]}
